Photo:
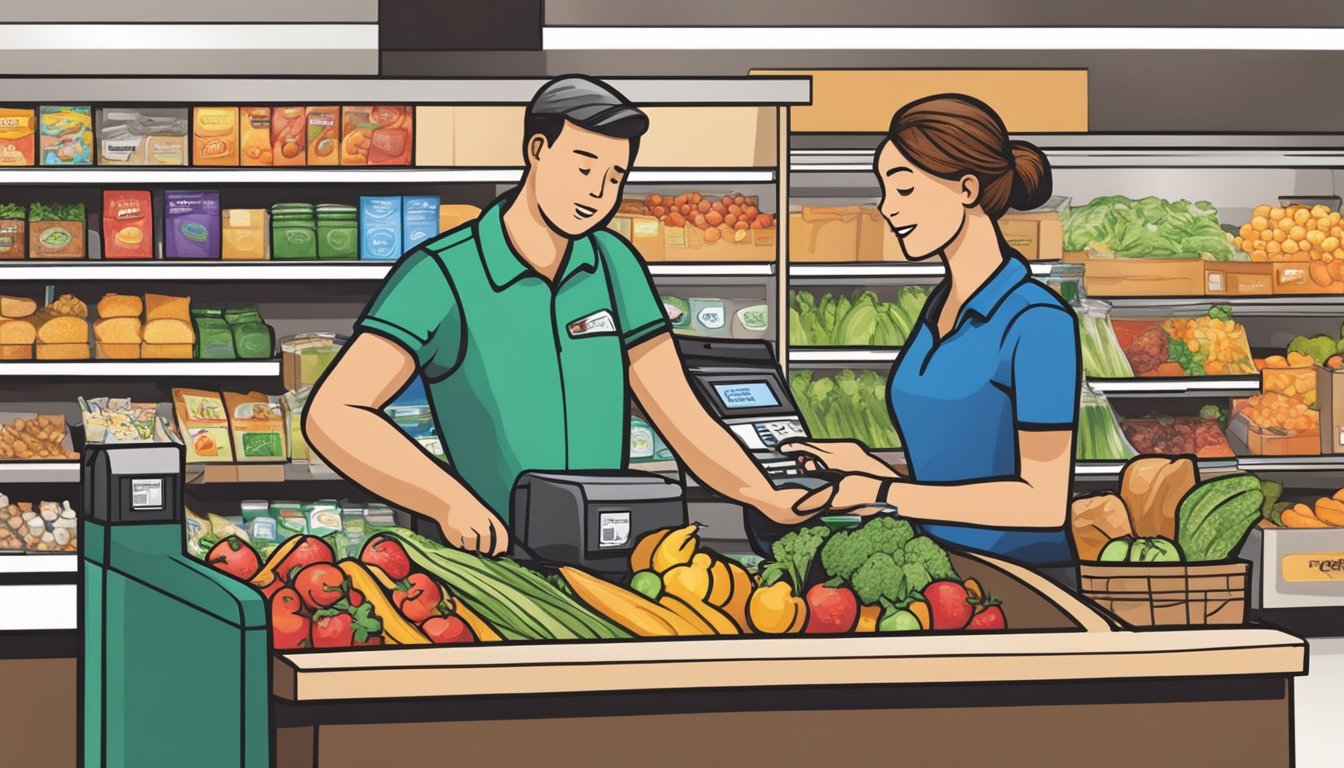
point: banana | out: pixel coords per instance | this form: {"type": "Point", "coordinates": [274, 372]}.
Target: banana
{"type": "Point", "coordinates": [679, 607]}
{"type": "Point", "coordinates": [641, 557]}
{"type": "Point", "coordinates": [631, 610]}
{"type": "Point", "coordinates": [676, 548]}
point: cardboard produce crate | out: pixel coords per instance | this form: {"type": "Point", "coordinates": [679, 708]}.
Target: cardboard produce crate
{"type": "Point", "coordinates": [1037, 234]}
{"type": "Point", "coordinates": [1295, 567]}
{"type": "Point", "coordinates": [687, 244]}
{"type": "Point", "coordinates": [1330, 401]}
{"type": "Point", "coordinates": [1169, 594]}
{"type": "Point", "coordinates": [1238, 278]}
{"type": "Point", "coordinates": [1105, 277]}
{"type": "Point", "coordinates": [819, 233]}
{"type": "Point", "coordinates": [1272, 441]}
{"type": "Point", "coordinates": [1296, 278]}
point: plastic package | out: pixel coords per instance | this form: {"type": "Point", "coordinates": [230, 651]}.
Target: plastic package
{"type": "Point", "coordinates": [1102, 356]}
{"type": "Point", "coordinates": [1099, 435]}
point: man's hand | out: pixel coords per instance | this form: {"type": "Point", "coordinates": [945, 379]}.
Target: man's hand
{"type": "Point", "coordinates": [839, 455]}
{"type": "Point", "coordinates": [781, 505]}
{"type": "Point", "coordinates": [470, 525]}
{"type": "Point", "coordinates": [853, 494]}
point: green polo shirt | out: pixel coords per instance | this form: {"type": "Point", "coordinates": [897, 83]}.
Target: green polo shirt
{"type": "Point", "coordinates": [521, 374]}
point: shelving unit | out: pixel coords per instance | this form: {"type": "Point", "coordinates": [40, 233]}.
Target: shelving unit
{"type": "Point", "coordinates": [39, 472]}
{"type": "Point", "coordinates": [288, 271]}
{"type": "Point", "coordinates": [101, 369]}
{"type": "Point", "coordinates": [416, 175]}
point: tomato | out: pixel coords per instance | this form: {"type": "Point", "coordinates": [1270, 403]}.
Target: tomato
{"type": "Point", "coordinates": [336, 631]}
{"type": "Point", "coordinates": [269, 590]}
{"type": "Point", "coordinates": [989, 618]}
{"type": "Point", "coordinates": [320, 585]}
{"type": "Point", "coordinates": [443, 630]}
{"type": "Point", "coordinates": [235, 557]}
{"type": "Point", "coordinates": [356, 598]}
{"type": "Point", "coordinates": [308, 551]}
{"type": "Point", "coordinates": [949, 605]}
{"type": "Point", "coordinates": [831, 610]}
{"type": "Point", "coordinates": [388, 555]}
{"type": "Point", "coordinates": [289, 629]}
{"type": "Point", "coordinates": [420, 600]}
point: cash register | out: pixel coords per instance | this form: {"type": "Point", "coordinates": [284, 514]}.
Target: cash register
{"type": "Point", "coordinates": [741, 383]}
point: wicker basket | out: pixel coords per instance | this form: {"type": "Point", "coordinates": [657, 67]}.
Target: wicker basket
{"type": "Point", "coordinates": [1169, 594]}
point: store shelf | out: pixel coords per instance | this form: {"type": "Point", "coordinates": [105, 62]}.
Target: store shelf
{"type": "Point", "coordinates": [1202, 386]}
{"type": "Point", "coordinates": [842, 356]}
{"type": "Point", "coordinates": [95, 369]}
{"type": "Point", "coordinates": [895, 269]}
{"type": "Point", "coordinates": [190, 175]}
{"type": "Point", "coordinates": [1293, 464]}
{"type": "Point", "coordinates": [1109, 471]}
{"type": "Point", "coordinates": [195, 271]}
{"type": "Point", "coordinates": [38, 563]}
{"type": "Point", "coordinates": [712, 270]}
{"type": "Point", "coordinates": [39, 472]}
{"type": "Point", "coordinates": [1242, 306]}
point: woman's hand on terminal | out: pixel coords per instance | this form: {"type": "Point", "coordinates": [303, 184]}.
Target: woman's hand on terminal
{"type": "Point", "coordinates": [839, 455]}
{"type": "Point", "coordinates": [855, 493]}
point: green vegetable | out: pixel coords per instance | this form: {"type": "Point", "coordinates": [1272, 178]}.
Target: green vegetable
{"type": "Point", "coordinates": [56, 212]}
{"type": "Point", "coordinates": [1318, 348]}
{"type": "Point", "coordinates": [898, 620]}
{"type": "Point", "coordinates": [794, 553]}
{"type": "Point", "coordinates": [12, 211]}
{"type": "Point", "coordinates": [845, 551]}
{"type": "Point", "coordinates": [1275, 515]}
{"type": "Point", "coordinates": [516, 601]}
{"type": "Point", "coordinates": [1213, 518]}
{"type": "Point", "coordinates": [1148, 228]}
{"type": "Point", "coordinates": [1153, 550]}
{"type": "Point", "coordinates": [1102, 356]}
{"type": "Point", "coordinates": [879, 580]}
{"type": "Point", "coordinates": [648, 584]}
{"type": "Point", "coordinates": [1099, 435]}
{"type": "Point", "coordinates": [848, 406]}
{"type": "Point", "coordinates": [860, 319]}
{"type": "Point", "coordinates": [1272, 490]}
{"type": "Point", "coordinates": [926, 552]}
{"type": "Point", "coordinates": [1214, 413]}
{"type": "Point", "coordinates": [1115, 551]}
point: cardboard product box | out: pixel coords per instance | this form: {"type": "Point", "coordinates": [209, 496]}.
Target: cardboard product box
{"type": "Point", "coordinates": [324, 135]}
{"type": "Point", "coordinates": [380, 227]}
{"type": "Point", "coordinates": [128, 225]}
{"type": "Point", "coordinates": [689, 244]}
{"type": "Point", "coordinates": [306, 356]}
{"type": "Point", "coordinates": [191, 226]}
{"type": "Point", "coordinates": [377, 135]}
{"type": "Point", "coordinates": [824, 233]}
{"type": "Point", "coordinates": [214, 136]}
{"type": "Point", "coordinates": [876, 240]}
{"type": "Point", "coordinates": [645, 233]}
{"type": "Point", "coordinates": [453, 216]}
{"type": "Point", "coordinates": [243, 234]}
{"type": "Point", "coordinates": [709, 137]}
{"type": "Point", "coordinates": [1305, 277]}
{"type": "Point", "coordinates": [65, 135]}
{"type": "Point", "coordinates": [1271, 441]}
{"type": "Point", "coordinates": [56, 232]}
{"type": "Point", "coordinates": [1104, 277]}
{"type": "Point", "coordinates": [1238, 278]}
{"type": "Point", "coordinates": [1295, 567]}
{"type": "Point", "coordinates": [143, 136]}
{"type": "Point", "coordinates": [488, 136]}
{"type": "Point", "coordinates": [434, 129]}
{"type": "Point", "coordinates": [13, 233]}
{"type": "Point", "coordinates": [289, 136]}
{"type": "Point", "coordinates": [18, 136]}
{"type": "Point", "coordinates": [1330, 400]}
{"type": "Point", "coordinates": [419, 219]}
{"type": "Point", "coordinates": [255, 136]}
{"type": "Point", "coordinates": [1037, 234]}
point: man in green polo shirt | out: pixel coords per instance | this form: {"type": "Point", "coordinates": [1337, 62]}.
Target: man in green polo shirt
{"type": "Point", "coordinates": [531, 328]}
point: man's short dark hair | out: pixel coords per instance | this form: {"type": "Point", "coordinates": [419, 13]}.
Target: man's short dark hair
{"type": "Point", "coordinates": [588, 103]}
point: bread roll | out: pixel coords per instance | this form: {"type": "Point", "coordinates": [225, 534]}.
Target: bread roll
{"type": "Point", "coordinates": [62, 351]}
{"type": "Point", "coordinates": [169, 332]}
{"type": "Point", "coordinates": [117, 305]}
{"type": "Point", "coordinates": [165, 351]}
{"type": "Point", "coordinates": [118, 330]}
{"type": "Point", "coordinates": [17, 332]}
{"type": "Point", "coordinates": [61, 329]}
{"type": "Point", "coordinates": [118, 351]}
{"type": "Point", "coordinates": [159, 307]}
{"type": "Point", "coordinates": [16, 306]}
{"type": "Point", "coordinates": [16, 351]}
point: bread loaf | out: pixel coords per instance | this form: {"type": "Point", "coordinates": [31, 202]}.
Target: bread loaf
{"type": "Point", "coordinates": [117, 305]}
{"type": "Point", "coordinates": [165, 351]}
{"type": "Point", "coordinates": [16, 306]}
{"type": "Point", "coordinates": [117, 330]}
{"type": "Point", "coordinates": [1152, 487]}
{"type": "Point", "coordinates": [54, 328]}
{"type": "Point", "coordinates": [169, 332]}
{"type": "Point", "coordinates": [118, 351]}
{"type": "Point", "coordinates": [17, 332]}
{"type": "Point", "coordinates": [62, 351]}
{"type": "Point", "coordinates": [159, 307]}
{"type": "Point", "coordinates": [16, 351]}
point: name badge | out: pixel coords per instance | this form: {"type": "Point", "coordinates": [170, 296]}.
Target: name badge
{"type": "Point", "coordinates": [592, 325]}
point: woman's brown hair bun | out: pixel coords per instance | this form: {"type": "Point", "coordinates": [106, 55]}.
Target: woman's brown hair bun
{"type": "Point", "coordinates": [953, 135]}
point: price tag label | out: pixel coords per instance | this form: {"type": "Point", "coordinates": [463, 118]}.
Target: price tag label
{"type": "Point", "coordinates": [1315, 567]}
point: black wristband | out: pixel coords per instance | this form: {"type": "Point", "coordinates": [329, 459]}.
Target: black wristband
{"type": "Point", "coordinates": [884, 490]}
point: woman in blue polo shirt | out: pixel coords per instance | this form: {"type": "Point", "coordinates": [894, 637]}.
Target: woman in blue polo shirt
{"type": "Point", "coordinates": [985, 392]}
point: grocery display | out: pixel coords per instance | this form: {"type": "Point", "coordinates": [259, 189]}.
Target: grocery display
{"type": "Point", "coordinates": [1100, 437]}
{"type": "Point", "coordinates": [18, 132]}
{"type": "Point", "coordinates": [144, 136]}
{"type": "Point", "coordinates": [1305, 233]}
{"type": "Point", "coordinates": [847, 406]}
{"type": "Point", "coordinates": [56, 231]}
{"type": "Point", "coordinates": [35, 437]}
{"type": "Point", "coordinates": [378, 135]}
{"type": "Point", "coordinates": [65, 136]}
{"type": "Point", "coordinates": [1213, 344]}
{"type": "Point", "coordinates": [128, 225]}
{"type": "Point", "coordinates": [860, 319]}
{"type": "Point", "coordinates": [51, 527]}
{"type": "Point", "coordinates": [1102, 355]}
{"type": "Point", "coordinates": [694, 226]}
{"type": "Point", "coordinates": [1149, 228]}
{"type": "Point", "coordinates": [1201, 435]}
{"type": "Point", "coordinates": [1323, 512]}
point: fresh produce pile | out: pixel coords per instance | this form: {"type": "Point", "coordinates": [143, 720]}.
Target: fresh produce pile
{"type": "Point", "coordinates": [52, 527]}
{"type": "Point", "coordinates": [1277, 411]}
{"type": "Point", "coordinates": [1318, 350]}
{"type": "Point", "coordinates": [1102, 356]}
{"type": "Point", "coordinates": [1148, 228]}
{"type": "Point", "coordinates": [726, 218]}
{"type": "Point", "coordinates": [1293, 375]}
{"type": "Point", "coordinates": [858, 320]}
{"type": "Point", "coordinates": [1200, 435]}
{"type": "Point", "coordinates": [1213, 344]}
{"type": "Point", "coordinates": [1147, 524]}
{"type": "Point", "coordinates": [849, 406]}
{"type": "Point", "coordinates": [1302, 233]}
{"type": "Point", "coordinates": [1326, 512]}
{"type": "Point", "coordinates": [1100, 437]}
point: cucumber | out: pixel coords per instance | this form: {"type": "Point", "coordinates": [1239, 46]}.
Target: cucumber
{"type": "Point", "coordinates": [1224, 527]}
{"type": "Point", "coordinates": [1201, 502]}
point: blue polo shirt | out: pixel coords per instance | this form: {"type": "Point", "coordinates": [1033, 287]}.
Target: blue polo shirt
{"type": "Point", "coordinates": [1011, 363]}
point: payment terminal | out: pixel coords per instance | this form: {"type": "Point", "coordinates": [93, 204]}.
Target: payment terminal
{"type": "Point", "coordinates": [743, 386]}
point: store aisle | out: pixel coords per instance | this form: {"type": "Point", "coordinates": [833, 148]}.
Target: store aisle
{"type": "Point", "coordinates": [1316, 710]}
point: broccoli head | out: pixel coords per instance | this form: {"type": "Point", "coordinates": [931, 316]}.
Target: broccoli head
{"type": "Point", "coordinates": [927, 553]}
{"type": "Point", "coordinates": [879, 580]}
{"type": "Point", "coordinates": [846, 551]}
{"type": "Point", "coordinates": [794, 553]}
{"type": "Point", "coordinates": [916, 576]}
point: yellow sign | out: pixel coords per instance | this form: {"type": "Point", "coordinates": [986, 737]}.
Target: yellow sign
{"type": "Point", "coordinates": [1323, 566]}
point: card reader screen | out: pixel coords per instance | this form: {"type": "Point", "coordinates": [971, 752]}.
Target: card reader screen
{"type": "Point", "coordinates": [749, 394]}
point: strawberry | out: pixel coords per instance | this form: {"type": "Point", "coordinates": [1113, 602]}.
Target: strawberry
{"type": "Point", "coordinates": [989, 618]}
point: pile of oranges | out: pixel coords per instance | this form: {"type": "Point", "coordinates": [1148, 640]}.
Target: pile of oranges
{"type": "Point", "coordinates": [1300, 233]}
{"type": "Point", "coordinates": [728, 218]}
